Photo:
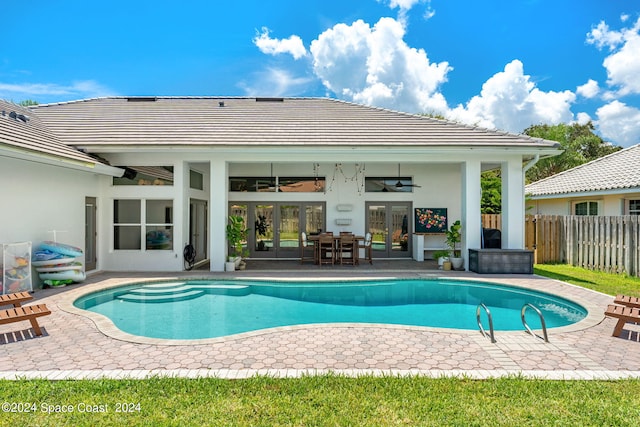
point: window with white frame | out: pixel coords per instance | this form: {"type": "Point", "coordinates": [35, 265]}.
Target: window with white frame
{"type": "Point", "coordinates": [134, 218]}
{"type": "Point", "coordinates": [589, 207]}
{"type": "Point", "coordinates": [634, 207]}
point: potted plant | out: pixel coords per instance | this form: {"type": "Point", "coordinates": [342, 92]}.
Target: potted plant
{"type": "Point", "coordinates": [454, 237]}
{"type": "Point", "coordinates": [441, 256]}
{"type": "Point", "coordinates": [261, 227]}
{"type": "Point", "coordinates": [236, 234]}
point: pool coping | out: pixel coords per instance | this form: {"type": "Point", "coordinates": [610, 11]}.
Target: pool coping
{"type": "Point", "coordinates": [577, 295]}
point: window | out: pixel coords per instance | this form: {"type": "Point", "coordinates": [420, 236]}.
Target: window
{"type": "Point", "coordinates": [586, 208]}
{"type": "Point", "coordinates": [252, 184]}
{"type": "Point", "coordinates": [157, 227]}
{"type": "Point", "coordinates": [196, 180]}
{"type": "Point", "coordinates": [126, 224]}
{"type": "Point", "coordinates": [401, 184]}
{"type": "Point", "coordinates": [277, 184]}
{"type": "Point", "coordinates": [145, 175]}
{"type": "Point", "coordinates": [634, 207]}
{"type": "Point", "coordinates": [300, 185]}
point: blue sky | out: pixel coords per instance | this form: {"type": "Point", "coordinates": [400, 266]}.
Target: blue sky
{"type": "Point", "coordinates": [504, 64]}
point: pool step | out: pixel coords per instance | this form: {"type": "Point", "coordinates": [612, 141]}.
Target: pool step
{"type": "Point", "coordinates": [151, 298]}
{"type": "Point", "coordinates": [166, 290]}
{"type": "Point", "coordinates": [181, 292]}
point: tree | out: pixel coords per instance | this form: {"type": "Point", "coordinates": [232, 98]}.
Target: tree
{"type": "Point", "coordinates": [580, 145]}
{"type": "Point", "coordinates": [28, 102]}
{"type": "Point", "coordinates": [491, 184]}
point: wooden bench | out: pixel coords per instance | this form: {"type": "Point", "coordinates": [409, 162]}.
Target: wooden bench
{"type": "Point", "coordinates": [15, 299]}
{"type": "Point", "coordinates": [28, 312]}
{"type": "Point", "coordinates": [624, 315]}
{"type": "Point", "coordinates": [627, 301]}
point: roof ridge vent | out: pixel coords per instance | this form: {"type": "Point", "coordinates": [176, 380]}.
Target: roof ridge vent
{"type": "Point", "coordinates": [142, 99]}
{"type": "Point", "coordinates": [269, 99]}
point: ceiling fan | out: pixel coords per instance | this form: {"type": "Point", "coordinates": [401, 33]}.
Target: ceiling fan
{"type": "Point", "coordinates": [399, 184]}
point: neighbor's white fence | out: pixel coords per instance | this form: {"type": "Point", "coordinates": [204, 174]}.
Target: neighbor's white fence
{"type": "Point", "coordinates": [606, 243]}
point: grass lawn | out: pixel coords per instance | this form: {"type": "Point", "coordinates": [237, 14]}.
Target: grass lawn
{"type": "Point", "coordinates": [332, 400]}
{"type": "Point", "coordinates": [611, 284]}
{"type": "Point", "coordinates": [325, 401]}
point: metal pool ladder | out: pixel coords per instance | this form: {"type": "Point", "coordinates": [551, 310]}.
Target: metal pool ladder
{"type": "Point", "coordinates": [524, 322]}
{"type": "Point", "coordinates": [486, 309]}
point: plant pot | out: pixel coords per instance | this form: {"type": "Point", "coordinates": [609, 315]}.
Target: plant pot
{"type": "Point", "coordinates": [230, 266]}
{"type": "Point", "coordinates": [446, 265]}
{"type": "Point", "coordinates": [441, 261]}
{"type": "Point", "coordinates": [456, 263]}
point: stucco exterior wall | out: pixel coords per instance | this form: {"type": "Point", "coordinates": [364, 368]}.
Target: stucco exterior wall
{"type": "Point", "coordinates": [608, 204]}
{"type": "Point", "coordinates": [38, 199]}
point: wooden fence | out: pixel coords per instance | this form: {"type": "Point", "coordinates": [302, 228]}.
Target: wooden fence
{"type": "Point", "coordinates": [605, 243]}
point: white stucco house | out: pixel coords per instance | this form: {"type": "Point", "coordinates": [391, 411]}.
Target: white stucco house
{"type": "Point", "coordinates": [132, 180]}
{"type": "Point", "coordinates": [608, 186]}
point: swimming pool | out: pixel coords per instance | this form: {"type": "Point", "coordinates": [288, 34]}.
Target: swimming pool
{"type": "Point", "coordinates": [200, 309]}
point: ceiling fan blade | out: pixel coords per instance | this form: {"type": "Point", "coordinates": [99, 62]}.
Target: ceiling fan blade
{"type": "Point", "coordinates": [399, 184]}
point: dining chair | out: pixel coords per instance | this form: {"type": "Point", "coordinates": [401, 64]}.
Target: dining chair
{"type": "Point", "coordinates": [367, 248]}
{"type": "Point", "coordinates": [326, 249]}
{"type": "Point", "coordinates": [348, 249]}
{"type": "Point", "coordinates": [304, 244]}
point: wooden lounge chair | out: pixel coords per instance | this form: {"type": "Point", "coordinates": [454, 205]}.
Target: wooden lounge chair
{"type": "Point", "coordinates": [28, 312]}
{"type": "Point", "coordinates": [624, 315]}
{"type": "Point", "coordinates": [15, 299]}
{"type": "Point", "coordinates": [627, 301]}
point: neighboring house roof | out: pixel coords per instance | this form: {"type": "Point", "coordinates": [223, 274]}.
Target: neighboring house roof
{"type": "Point", "coordinates": [23, 135]}
{"type": "Point", "coordinates": [616, 172]}
{"type": "Point", "coordinates": [97, 124]}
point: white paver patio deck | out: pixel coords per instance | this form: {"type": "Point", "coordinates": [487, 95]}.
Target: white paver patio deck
{"type": "Point", "coordinates": [73, 347]}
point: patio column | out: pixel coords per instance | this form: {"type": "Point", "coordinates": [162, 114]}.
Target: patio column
{"type": "Point", "coordinates": [512, 204]}
{"type": "Point", "coordinates": [471, 215]}
{"type": "Point", "coordinates": [218, 215]}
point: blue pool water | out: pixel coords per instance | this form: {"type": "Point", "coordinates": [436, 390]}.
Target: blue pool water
{"type": "Point", "coordinates": [214, 308]}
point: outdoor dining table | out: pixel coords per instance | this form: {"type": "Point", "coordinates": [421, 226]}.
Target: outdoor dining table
{"type": "Point", "coordinates": [315, 238]}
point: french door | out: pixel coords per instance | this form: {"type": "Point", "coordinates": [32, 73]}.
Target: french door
{"type": "Point", "coordinates": [391, 228]}
{"type": "Point", "coordinates": [274, 227]}
{"type": "Point", "coordinates": [198, 213]}
{"type": "Point", "coordinates": [90, 233]}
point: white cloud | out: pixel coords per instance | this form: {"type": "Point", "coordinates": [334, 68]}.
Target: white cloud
{"type": "Point", "coordinates": [274, 82]}
{"type": "Point", "coordinates": [375, 66]}
{"type": "Point", "coordinates": [602, 36]}
{"type": "Point", "coordinates": [292, 45]}
{"type": "Point", "coordinates": [583, 118]}
{"type": "Point", "coordinates": [79, 89]}
{"type": "Point", "coordinates": [619, 123]}
{"type": "Point", "coordinates": [511, 102]}
{"type": "Point", "coordinates": [405, 6]}
{"type": "Point", "coordinates": [589, 90]}
{"type": "Point", "coordinates": [623, 64]}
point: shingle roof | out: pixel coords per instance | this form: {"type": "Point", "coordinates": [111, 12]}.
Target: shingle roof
{"type": "Point", "coordinates": [202, 121]}
{"type": "Point", "coordinates": [620, 170]}
{"type": "Point", "coordinates": [23, 131]}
